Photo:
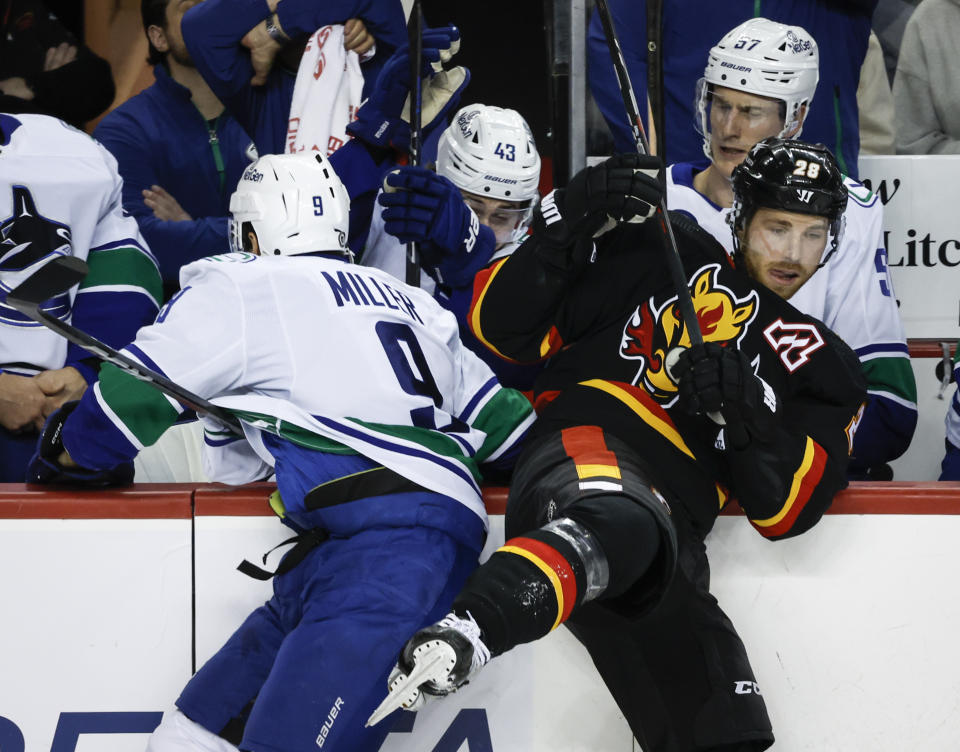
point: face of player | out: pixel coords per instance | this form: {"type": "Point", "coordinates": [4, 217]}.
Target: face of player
{"type": "Point", "coordinates": [503, 217]}
{"type": "Point", "coordinates": [172, 38]}
{"type": "Point", "coordinates": [782, 249]}
{"type": "Point", "coordinates": [738, 121]}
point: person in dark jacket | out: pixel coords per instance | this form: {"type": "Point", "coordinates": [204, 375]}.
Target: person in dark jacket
{"type": "Point", "coordinates": [235, 43]}
{"type": "Point", "coordinates": [179, 151]}
{"type": "Point", "coordinates": [45, 70]}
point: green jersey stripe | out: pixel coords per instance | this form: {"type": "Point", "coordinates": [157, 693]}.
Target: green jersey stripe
{"type": "Point", "coordinates": [291, 432]}
{"type": "Point", "coordinates": [144, 411]}
{"type": "Point", "coordinates": [891, 375]}
{"type": "Point", "coordinates": [506, 402]}
{"type": "Point", "coordinates": [124, 266]}
{"type": "Point", "coordinates": [434, 441]}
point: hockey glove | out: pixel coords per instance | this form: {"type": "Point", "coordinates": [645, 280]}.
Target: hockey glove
{"type": "Point", "coordinates": [426, 208]}
{"type": "Point", "coordinates": [719, 381]}
{"type": "Point", "coordinates": [384, 118]}
{"type": "Point", "coordinates": [45, 466]}
{"type": "Point", "coordinates": [623, 188]}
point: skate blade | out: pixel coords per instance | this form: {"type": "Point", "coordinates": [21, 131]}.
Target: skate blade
{"type": "Point", "coordinates": [405, 689]}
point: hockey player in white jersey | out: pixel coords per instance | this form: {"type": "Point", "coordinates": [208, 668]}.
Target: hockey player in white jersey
{"type": "Point", "coordinates": [356, 391]}
{"type": "Point", "coordinates": [60, 196]}
{"type": "Point", "coordinates": [758, 82]}
{"type": "Point", "coordinates": [474, 208]}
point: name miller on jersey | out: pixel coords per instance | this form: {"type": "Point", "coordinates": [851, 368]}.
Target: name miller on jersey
{"type": "Point", "coordinates": [351, 287]}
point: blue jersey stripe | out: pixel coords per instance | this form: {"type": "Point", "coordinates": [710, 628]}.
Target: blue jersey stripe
{"type": "Point", "coordinates": [400, 449]}
{"type": "Point", "coordinates": [481, 393]}
{"type": "Point", "coordinates": [144, 358]}
{"type": "Point", "coordinates": [880, 347]}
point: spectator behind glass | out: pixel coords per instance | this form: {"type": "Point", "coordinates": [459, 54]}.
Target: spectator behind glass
{"type": "Point", "coordinates": [44, 69]}
{"type": "Point", "coordinates": [691, 27]}
{"type": "Point", "coordinates": [889, 20]}
{"type": "Point", "coordinates": [875, 103]}
{"type": "Point", "coordinates": [235, 52]}
{"type": "Point", "coordinates": [180, 153]}
{"type": "Point", "coordinates": [926, 91]}
{"type": "Point", "coordinates": [60, 195]}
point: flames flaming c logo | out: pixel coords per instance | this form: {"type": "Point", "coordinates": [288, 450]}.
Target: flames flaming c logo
{"type": "Point", "coordinates": [652, 331]}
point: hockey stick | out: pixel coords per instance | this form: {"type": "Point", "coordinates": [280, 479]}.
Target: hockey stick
{"type": "Point", "coordinates": [655, 72]}
{"type": "Point", "coordinates": [58, 276]}
{"type": "Point", "coordinates": [687, 311]}
{"type": "Point", "coordinates": [415, 40]}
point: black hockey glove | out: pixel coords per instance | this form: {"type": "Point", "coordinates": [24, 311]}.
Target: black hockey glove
{"type": "Point", "coordinates": [719, 381]}
{"type": "Point", "coordinates": [623, 188]}
{"type": "Point", "coordinates": [45, 467]}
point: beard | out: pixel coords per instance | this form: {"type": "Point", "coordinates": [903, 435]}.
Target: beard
{"type": "Point", "coordinates": [181, 55]}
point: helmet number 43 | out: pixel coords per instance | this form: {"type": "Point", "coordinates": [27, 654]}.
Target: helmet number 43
{"type": "Point", "coordinates": [506, 151]}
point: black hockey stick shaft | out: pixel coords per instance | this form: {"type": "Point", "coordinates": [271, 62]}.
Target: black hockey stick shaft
{"type": "Point", "coordinates": [55, 278]}
{"type": "Point", "coordinates": [415, 41]}
{"type": "Point", "coordinates": [679, 277]}
{"type": "Point", "coordinates": [655, 73]}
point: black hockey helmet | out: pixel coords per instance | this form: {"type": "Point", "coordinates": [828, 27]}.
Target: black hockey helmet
{"type": "Point", "coordinates": [793, 176]}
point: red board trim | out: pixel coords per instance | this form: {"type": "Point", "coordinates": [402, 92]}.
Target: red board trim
{"type": "Point", "coordinates": [180, 501]}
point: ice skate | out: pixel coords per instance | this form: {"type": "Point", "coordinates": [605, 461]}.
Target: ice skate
{"type": "Point", "coordinates": [436, 661]}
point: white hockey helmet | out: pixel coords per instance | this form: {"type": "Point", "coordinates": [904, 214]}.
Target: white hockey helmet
{"type": "Point", "coordinates": [490, 151]}
{"type": "Point", "coordinates": [295, 203]}
{"type": "Point", "coordinates": [765, 58]}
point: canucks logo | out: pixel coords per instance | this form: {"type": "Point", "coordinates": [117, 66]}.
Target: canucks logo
{"type": "Point", "coordinates": [27, 241]}
{"type": "Point", "coordinates": [652, 331]}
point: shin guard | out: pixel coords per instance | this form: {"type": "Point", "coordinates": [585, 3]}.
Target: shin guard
{"type": "Point", "coordinates": [533, 582]}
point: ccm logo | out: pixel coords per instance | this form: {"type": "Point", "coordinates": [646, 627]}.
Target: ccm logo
{"type": "Point", "coordinates": [794, 343]}
{"type": "Point", "coordinates": [746, 688]}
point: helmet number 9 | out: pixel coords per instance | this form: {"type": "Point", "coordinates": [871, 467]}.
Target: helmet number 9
{"type": "Point", "coordinates": [506, 151]}
{"type": "Point", "coordinates": [803, 167]}
{"type": "Point", "coordinates": [317, 206]}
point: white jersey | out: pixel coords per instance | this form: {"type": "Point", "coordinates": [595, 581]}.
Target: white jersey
{"type": "Point", "coordinates": [385, 251]}
{"type": "Point", "coordinates": [316, 351]}
{"type": "Point", "coordinates": [67, 203]}
{"type": "Point", "coordinates": [852, 294]}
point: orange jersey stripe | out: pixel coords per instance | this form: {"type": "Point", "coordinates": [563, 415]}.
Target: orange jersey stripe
{"type": "Point", "coordinates": [805, 480]}
{"type": "Point", "coordinates": [644, 406]}
{"type": "Point", "coordinates": [588, 450]}
{"type": "Point", "coordinates": [551, 343]}
{"type": "Point", "coordinates": [723, 495]}
{"type": "Point", "coordinates": [557, 569]}
{"type": "Point", "coordinates": [481, 282]}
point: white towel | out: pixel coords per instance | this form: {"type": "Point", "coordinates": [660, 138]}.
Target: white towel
{"type": "Point", "coordinates": [326, 94]}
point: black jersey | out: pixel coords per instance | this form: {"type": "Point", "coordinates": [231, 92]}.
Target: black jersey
{"type": "Point", "coordinates": [606, 328]}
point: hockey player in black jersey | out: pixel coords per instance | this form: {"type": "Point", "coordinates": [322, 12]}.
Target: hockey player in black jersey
{"type": "Point", "coordinates": [642, 439]}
